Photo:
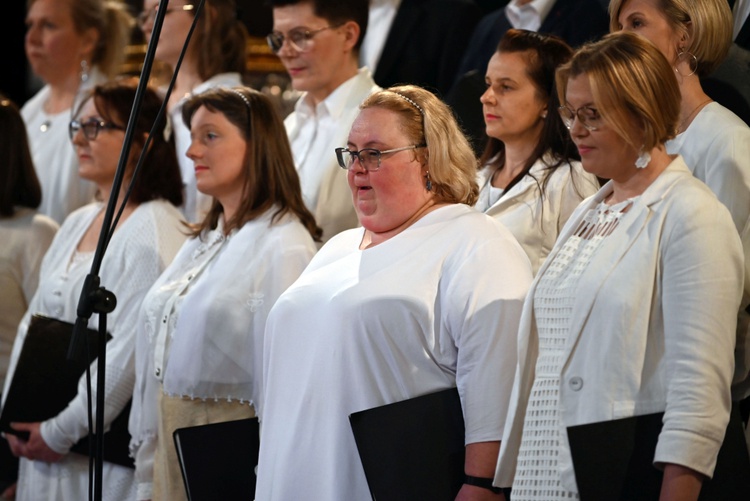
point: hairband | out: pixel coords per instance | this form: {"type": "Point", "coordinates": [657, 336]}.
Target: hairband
{"type": "Point", "coordinates": [409, 100]}
{"type": "Point", "coordinates": [242, 96]}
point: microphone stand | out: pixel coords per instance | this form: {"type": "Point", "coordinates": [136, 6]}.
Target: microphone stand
{"type": "Point", "coordinates": [94, 298]}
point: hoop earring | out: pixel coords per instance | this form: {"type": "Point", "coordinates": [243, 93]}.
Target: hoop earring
{"type": "Point", "coordinates": [690, 59]}
{"type": "Point", "coordinates": [428, 184]}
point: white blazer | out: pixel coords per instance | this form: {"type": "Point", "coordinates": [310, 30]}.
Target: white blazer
{"type": "Point", "coordinates": [652, 327]}
{"type": "Point", "coordinates": [536, 220]}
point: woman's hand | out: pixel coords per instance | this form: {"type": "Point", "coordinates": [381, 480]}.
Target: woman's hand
{"type": "Point", "coordinates": [680, 483]}
{"type": "Point", "coordinates": [35, 448]}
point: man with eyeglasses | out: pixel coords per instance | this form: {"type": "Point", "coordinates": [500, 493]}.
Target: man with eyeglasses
{"type": "Point", "coordinates": [318, 41]}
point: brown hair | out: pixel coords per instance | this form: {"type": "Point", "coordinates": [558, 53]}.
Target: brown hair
{"type": "Point", "coordinates": [706, 23]}
{"type": "Point", "coordinates": [270, 179]}
{"type": "Point", "coordinates": [19, 184]}
{"type": "Point", "coordinates": [630, 80]}
{"type": "Point", "coordinates": [543, 55]}
{"type": "Point", "coordinates": [220, 39]}
{"type": "Point", "coordinates": [160, 175]}
{"type": "Point", "coordinates": [451, 161]}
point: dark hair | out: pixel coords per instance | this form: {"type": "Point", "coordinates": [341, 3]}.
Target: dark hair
{"type": "Point", "coordinates": [220, 39]}
{"type": "Point", "coordinates": [544, 54]}
{"type": "Point", "coordinates": [336, 12]}
{"type": "Point", "coordinates": [270, 178]}
{"type": "Point", "coordinates": [160, 175]}
{"type": "Point", "coordinates": [19, 185]}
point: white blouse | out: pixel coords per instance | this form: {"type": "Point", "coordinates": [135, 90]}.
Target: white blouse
{"type": "Point", "coordinates": [200, 329]}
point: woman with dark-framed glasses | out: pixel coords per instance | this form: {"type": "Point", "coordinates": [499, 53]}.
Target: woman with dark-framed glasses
{"type": "Point", "coordinates": [215, 57]}
{"type": "Point", "coordinates": [424, 297]}
{"type": "Point", "coordinates": [144, 242]}
{"type": "Point", "coordinates": [634, 311]}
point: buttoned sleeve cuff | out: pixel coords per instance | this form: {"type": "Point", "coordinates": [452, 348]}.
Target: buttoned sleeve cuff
{"type": "Point", "coordinates": [687, 449]}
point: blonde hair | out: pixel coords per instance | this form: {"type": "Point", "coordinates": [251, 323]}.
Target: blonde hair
{"type": "Point", "coordinates": [112, 22]}
{"type": "Point", "coordinates": [631, 81]}
{"type": "Point", "coordinates": [707, 24]}
{"type": "Point", "coordinates": [425, 119]}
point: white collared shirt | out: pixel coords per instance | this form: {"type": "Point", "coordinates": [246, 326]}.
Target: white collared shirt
{"type": "Point", "coordinates": [382, 14]}
{"type": "Point", "coordinates": [529, 16]}
{"type": "Point", "coordinates": [319, 126]}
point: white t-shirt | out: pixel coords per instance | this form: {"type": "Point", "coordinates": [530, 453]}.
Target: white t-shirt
{"type": "Point", "coordinates": [434, 307]}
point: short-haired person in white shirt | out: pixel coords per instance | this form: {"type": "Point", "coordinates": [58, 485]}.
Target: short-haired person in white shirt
{"type": "Point", "coordinates": [425, 297]}
{"type": "Point", "coordinates": [200, 330]}
{"type": "Point", "coordinates": [318, 42]}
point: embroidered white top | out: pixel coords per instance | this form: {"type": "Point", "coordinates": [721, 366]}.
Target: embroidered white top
{"type": "Point", "coordinates": [201, 325]}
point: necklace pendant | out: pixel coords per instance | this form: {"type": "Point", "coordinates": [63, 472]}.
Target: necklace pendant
{"type": "Point", "coordinates": [45, 125]}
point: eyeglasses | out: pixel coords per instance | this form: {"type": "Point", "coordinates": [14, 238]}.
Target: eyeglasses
{"type": "Point", "coordinates": [369, 158]}
{"type": "Point", "coordinates": [91, 128]}
{"type": "Point", "coordinates": [589, 117]}
{"type": "Point", "coordinates": [299, 39]}
{"type": "Point", "coordinates": [147, 16]}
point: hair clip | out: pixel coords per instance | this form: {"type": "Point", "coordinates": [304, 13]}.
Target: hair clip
{"type": "Point", "coordinates": [241, 95]}
{"type": "Point", "coordinates": [408, 100]}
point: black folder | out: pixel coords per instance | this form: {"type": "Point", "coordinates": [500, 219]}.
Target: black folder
{"type": "Point", "coordinates": [45, 382]}
{"type": "Point", "coordinates": [413, 449]}
{"type": "Point", "coordinates": [218, 460]}
{"type": "Point", "coordinates": [613, 460]}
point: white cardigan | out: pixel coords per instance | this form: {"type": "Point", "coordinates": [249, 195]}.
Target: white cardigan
{"type": "Point", "coordinates": [652, 328]}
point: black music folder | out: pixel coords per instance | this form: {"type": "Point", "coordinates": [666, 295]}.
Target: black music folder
{"type": "Point", "coordinates": [45, 382]}
{"type": "Point", "coordinates": [218, 460]}
{"type": "Point", "coordinates": [613, 460]}
{"type": "Point", "coordinates": [413, 449]}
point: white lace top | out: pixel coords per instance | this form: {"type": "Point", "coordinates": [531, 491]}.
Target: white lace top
{"type": "Point", "coordinates": [537, 476]}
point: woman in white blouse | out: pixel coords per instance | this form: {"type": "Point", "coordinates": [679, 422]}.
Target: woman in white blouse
{"type": "Point", "coordinates": [71, 45]}
{"type": "Point", "coordinates": [531, 179]}
{"type": "Point", "coordinates": [634, 311]}
{"type": "Point", "coordinates": [146, 238]}
{"type": "Point", "coordinates": [199, 346]}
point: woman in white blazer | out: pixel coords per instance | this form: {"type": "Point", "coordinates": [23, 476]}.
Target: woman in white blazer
{"type": "Point", "coordinates": [531, 180]}
{"type": "Point", "coordinates": [634, 311]}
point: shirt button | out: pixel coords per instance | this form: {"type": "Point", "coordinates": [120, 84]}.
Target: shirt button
{"type": "Point", "coordinates": [164, 320]}
{"type": "Point", "coordinates": [158, 372]}
{"type": "Point", "coordinates": [576, 383]}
